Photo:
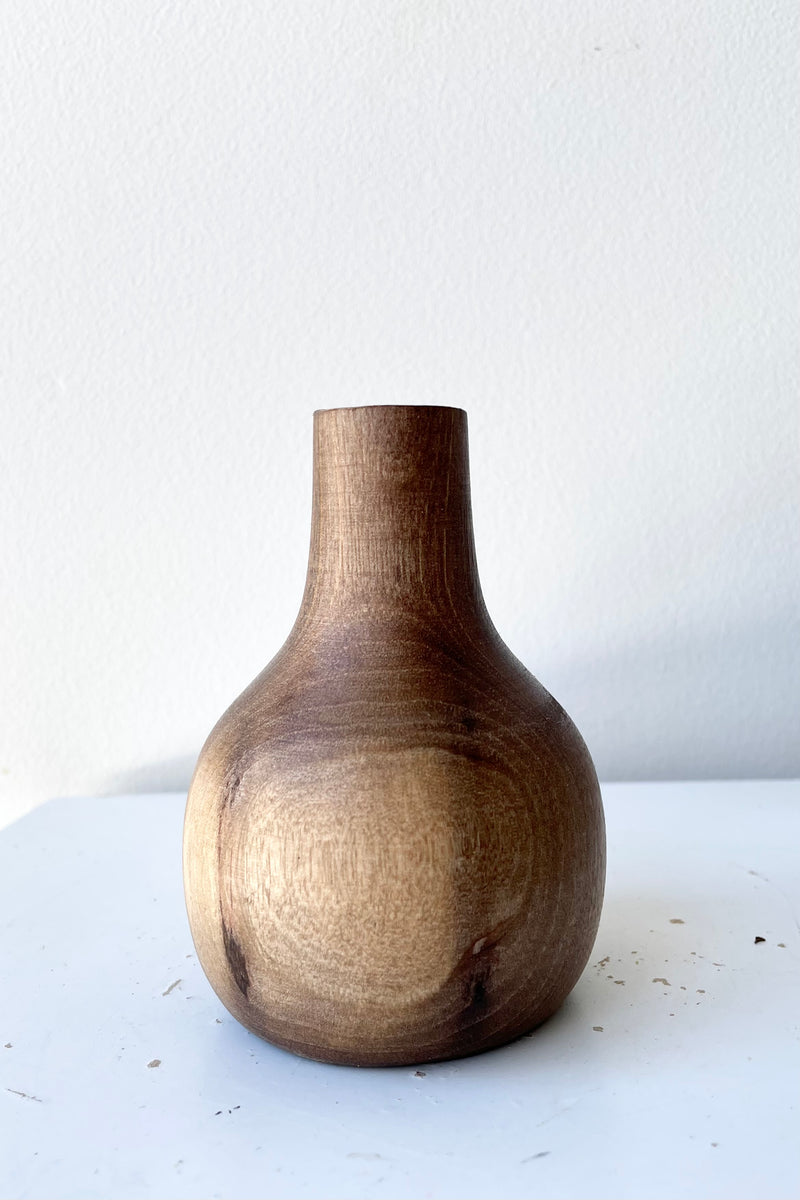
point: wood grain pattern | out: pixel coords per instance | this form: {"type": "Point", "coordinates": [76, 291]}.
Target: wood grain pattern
{"type": "Point", "coordinates": [394, 846]}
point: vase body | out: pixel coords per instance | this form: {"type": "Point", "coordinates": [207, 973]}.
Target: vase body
{"type": "Point", "coordinates": [394, 847]}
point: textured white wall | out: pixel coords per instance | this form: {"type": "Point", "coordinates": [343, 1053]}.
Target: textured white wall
{"type": "Point", "coordinates": [577, 221]}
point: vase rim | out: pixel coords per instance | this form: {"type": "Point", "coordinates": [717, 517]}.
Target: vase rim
{"type": "Point", "coordinates": [391, 407]}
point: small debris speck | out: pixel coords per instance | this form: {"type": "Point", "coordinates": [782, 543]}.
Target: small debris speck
{"type": "Point", "coordinates": [7, 1046]}
{"type": "Point", "coordinates": [782, 945]}
{"type": "Point", "coordinates": [715, 1144]}
{"type": "Point", "coordinates": [701, 991]}
{"type": "Point", "coordinates": [676, 921]}
{"type": "Point", "coordinates": [24, 1095]}
{"type": "Point", "coordinates": [756, 940]}
{"type": "Point", "coordinates": [661, 979]}
{"type": "Point", "coordinates": [171, 987]}
{"type": "Point", "coordinates": [419, 1074]}
{"type": "Point", "coordinates": [218, 1113]}
{"type": "Point", "coordinates": [621, 982]}
{"type": "Point", "coordinates": [597, 1028]}
{"type": "Point", "coordinates": [154, 1062]}
{"type": "Point", "coordinates": [541, 1154]}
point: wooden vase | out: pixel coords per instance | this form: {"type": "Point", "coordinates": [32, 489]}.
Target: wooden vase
{"type": "Point", "coordinates": [394, 848]}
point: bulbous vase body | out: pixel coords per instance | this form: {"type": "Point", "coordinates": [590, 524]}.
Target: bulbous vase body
{"type": "Point", "coordinates": [394, 846]}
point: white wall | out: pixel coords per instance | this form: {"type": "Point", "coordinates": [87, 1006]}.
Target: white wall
{"type": "Point", "coordinates": [577, 221]}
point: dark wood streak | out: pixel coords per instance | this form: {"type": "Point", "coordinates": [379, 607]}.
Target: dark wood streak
{"type": "Point", "coordinates": [236, 960]}
{"type": "Point", "coordinates": [231, 790]}
{"type": "Point", "coordinates": [478, 993]}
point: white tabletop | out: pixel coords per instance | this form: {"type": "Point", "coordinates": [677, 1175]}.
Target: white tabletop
{"type": "Point", "coordinates": [672, 1071]}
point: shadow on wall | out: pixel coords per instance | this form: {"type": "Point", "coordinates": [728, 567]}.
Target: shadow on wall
{"type": "Point", "coordinates": [168, 775]}
{"type": "Point", "coordinates": [717, 703]}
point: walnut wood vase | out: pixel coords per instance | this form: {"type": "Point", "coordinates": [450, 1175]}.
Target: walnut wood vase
{"type": "Point", "coordinates": [394, 848]}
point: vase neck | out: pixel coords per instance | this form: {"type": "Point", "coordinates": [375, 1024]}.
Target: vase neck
{"type": "Point", "coordinates": [392, 522]}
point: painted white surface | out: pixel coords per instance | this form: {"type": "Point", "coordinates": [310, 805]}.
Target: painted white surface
{"type": "Point", "coordinates": [689, 1090]}
{"type": "Point", "coordinates": [578, 222]}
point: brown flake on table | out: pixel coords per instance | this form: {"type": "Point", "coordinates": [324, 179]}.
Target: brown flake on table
{"type": "Point", "coordinates": [419, 1074]}
{"type": "Point", "coordinates": [597, 1028]}
{"type": "Point", "coordinates": [758, 939]}
{"type": "Point", "coordinates": [154, 1062]}
{"type": "Point", "coordinates": [661, 979]}
{"type": "Point", "coordinates": [171, 986]}
{"type": "Point", "coordinates": [677, 921]}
